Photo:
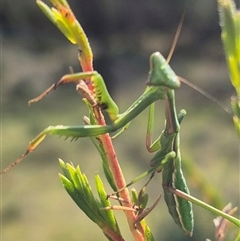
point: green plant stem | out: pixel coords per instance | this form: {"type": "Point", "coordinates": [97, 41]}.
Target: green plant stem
{"type": "Point", "coordinates": [86, 59]}
{"type": "Point", "coordinates": [119, 180]}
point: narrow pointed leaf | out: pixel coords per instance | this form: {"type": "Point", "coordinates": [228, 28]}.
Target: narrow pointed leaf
{"type": "Point", "coordinates": [109, 214]}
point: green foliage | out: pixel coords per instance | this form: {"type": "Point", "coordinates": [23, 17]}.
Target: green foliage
{"type": "Point", "coordinates": [230, 25]}
{"type": "Point", "coordinates": [78, 187]}
{"type": "Point", "coordinates": [58, 19]}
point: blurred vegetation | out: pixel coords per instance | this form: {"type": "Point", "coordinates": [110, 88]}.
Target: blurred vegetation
{"type": "Point", "coordinates": [123, 34]}
{"type": "Point", "coordinates": [230, 25]}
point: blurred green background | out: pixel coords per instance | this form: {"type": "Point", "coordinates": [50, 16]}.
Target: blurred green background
{"type": "Point", "coordinates": [122, 34]}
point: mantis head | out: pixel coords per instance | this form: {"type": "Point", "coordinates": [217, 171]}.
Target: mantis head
{"type": "Point", "coordinates": [161, 74]}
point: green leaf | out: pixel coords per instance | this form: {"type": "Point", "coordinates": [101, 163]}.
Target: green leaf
{"type": "Point", "coordinates": [109, 214]}
{"type": "Point", "coordinates": [78, 187]}
{"type": "Point", "coordinates": [57, 19]}
{"type": "Point", "coordinates": [86, 203]}
{"type": "Point", "coordinates": [230, 25]}
{"type": "Point", "coordinates": [147, 232]}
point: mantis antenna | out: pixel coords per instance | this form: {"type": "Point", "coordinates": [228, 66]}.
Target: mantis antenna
{"type": "Point", "coordinates": [185, 81]}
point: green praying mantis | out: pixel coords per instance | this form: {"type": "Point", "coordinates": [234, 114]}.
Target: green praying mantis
{"type": "Point", "coordinates": [161, 84]}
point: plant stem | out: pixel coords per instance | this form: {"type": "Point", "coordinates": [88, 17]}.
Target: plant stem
{"type": "Point", "coordinates": [119, 180]}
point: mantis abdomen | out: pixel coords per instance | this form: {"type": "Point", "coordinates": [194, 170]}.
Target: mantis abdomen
{"type": "Point", "coordinates": [179, 208]}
